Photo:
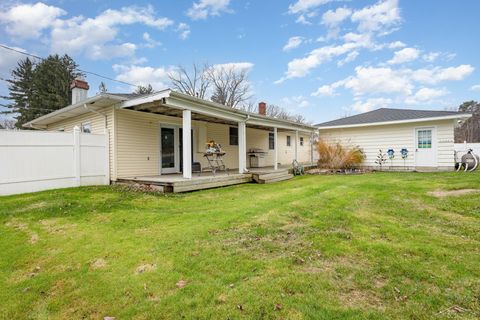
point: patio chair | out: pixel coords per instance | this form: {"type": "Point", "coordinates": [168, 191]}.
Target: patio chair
{"type": "Point", "coordinates": [298, 169]}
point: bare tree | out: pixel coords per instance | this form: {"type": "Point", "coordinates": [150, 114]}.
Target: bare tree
{"type": "Point", "coordinates": [7, 123]}
{"type": "Point", "coordinates": [230, 85]}
{"type": "Point", "coordinates": [469, 129]}
{"type": "Point", "coordinates": [280, 113]}
{"type": "Point", "coordinates": [195, 83]}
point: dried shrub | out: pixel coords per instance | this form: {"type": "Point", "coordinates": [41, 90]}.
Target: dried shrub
{"type": "Point", "coordinates": [336, 156]}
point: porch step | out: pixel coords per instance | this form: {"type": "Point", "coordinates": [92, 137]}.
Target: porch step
{"type": "Point", "coordinates": [208, 179]}
{"type": "Point", "coordinates": [186, 186]}
{"type": "Point", "coordinates": [272, 176]}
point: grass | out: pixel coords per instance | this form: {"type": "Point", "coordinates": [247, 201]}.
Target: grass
{"type": "Point", "coordinates": [373, 246]}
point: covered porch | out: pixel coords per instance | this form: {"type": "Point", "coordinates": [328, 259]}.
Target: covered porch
{"type": "Point", "coordinates": [186, 124]}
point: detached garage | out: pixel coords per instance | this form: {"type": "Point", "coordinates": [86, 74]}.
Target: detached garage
{"type": "Point", "coordinates": [427, 136]}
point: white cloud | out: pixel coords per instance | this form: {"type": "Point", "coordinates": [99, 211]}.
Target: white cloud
{"type": "Point", "coordinates": [431, 57]}
{"type": "Point", "coordinates": [184, 30]}
{"type": "Point", "coordinates": [300, 67]}
{"type": "Point", "coordinates": [426, 95]}
{"type": "Point", "coordinates": [95, 37]}
{"type": "Point", "coordinates": [475, 87]}
{"type": "Point", "coordinates": [295, 102]}
{"type": "Point", "coordinates": [150, 43]}
{"type": "Point", "coordinates": [302, 20]}
{"type": "Point", "coordinates": [349, 58]}
{"type": "Point", "coordinates": [204, 8]}
{"type": "Point", "coordinates": [326, 90]}
{"type": "Point", "coordinates": [396, 45]}
{"type": "Point", "coordinates": [437, 74]}
{"type": "Point", "coordinates": [29, 20]}
{"type": "Point", "coordinates": [333, 18]}
{"type": "Point", "coordinates": [370, 104]}
{"type": "Point", "coordinates": [293, 43]}
{"type": "Point", "coordinates": [138, 75]}
{"type": "Point", "coordinates": [305, 5]}
{"type": "Point", "coordinates": [379, 17]}
{"type": "Point", "coordinates": [405, 55]}
{"type": "Point", "coordinates": [378, 80]}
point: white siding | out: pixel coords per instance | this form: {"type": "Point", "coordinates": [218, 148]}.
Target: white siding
{"type": "Point", "coordinates": [398, 136]}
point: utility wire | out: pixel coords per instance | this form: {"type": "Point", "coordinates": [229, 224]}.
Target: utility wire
{"type": "Point", "coordinates": [81, 70]}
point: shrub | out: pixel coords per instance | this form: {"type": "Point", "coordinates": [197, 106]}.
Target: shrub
{"type": "Point", "coordinates": [337, 156]}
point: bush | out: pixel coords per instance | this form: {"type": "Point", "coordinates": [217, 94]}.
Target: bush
{"type": "Point", "coordinates": [336, 156]}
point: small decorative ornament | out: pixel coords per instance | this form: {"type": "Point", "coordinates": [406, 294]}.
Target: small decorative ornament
{"type": "Point", "coordinates": [391, 156]}
{"type": "Point", "coordinates": [404, 153]}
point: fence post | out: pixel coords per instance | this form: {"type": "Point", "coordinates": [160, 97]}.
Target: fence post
{"type": "Point", "coordinates": [107, 154]}
{"type": "Point", "coordinates": [76, 155]}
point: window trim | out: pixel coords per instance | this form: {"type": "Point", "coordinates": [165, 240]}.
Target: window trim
{"type": "Point", "coordinates": [271, 139]}
{"type": "Point", "coordinates": [230, 136]}
{"type": "Point", "coordinates": [86, 124]}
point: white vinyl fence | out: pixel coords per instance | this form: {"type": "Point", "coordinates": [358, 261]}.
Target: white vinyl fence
{"type": "Point", "coordinates": [39, 160]}
{"type": "Point", "coordinates": [463, 147]}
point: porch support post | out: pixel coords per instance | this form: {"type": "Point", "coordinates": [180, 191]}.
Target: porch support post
{"type": "Point", "coordinates": [275, 149]}
{"type": "Point", "coordinates": [242, 147]}
{"type": "Point", "coordinates": [296, 145]}
{"type": "Point", "coordinates": [187, 144]}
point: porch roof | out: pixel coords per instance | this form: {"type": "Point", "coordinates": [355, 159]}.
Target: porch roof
{"type": "Point", "coordinates": [170, 103]}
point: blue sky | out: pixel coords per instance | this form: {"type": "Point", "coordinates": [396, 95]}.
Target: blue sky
{"type": "Point", "coordinates": [320, 58]}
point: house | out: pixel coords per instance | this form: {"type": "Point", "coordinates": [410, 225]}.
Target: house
{"type": "Point", "coordinates": [428, 137]}
{"type": "Point", "coordinates": [161, 136]}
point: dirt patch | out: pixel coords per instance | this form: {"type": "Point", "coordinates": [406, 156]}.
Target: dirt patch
{"type": "Point", "coordinates": [33, 238]}
{"type": "Point", "coordinates": [452, 193]}
{"type": "Point", "coordinates": [16, 224]}
{"type": "Point", "coordinates": [145, 268]}
{"type": "Point", "coordinates": [98, 264]}
{"type": "Point", "coordinates": [33, 206]}
{"type": "Point", "coordinates": [54, 226]}
{"type": "Point", "coordinates": [361, 299]}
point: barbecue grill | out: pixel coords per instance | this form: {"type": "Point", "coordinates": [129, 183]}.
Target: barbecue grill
{"type": "Point", "coordinates": [256, 156]}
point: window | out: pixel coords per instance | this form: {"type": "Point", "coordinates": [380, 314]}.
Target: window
{"type": "Point", "coordinates": [233, 136]}
{"type": "Point", "coordinates": [424, 139]}
{"type": "Point", "coordinates": [86, 127]}
{"type": "Point", "coordinates": [271, 141]}
{"type": "Point", "coordinates": [301, 141]}
{"type": "Point", "coordinates": [289, 142]}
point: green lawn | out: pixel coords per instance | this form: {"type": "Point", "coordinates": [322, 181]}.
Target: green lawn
{"type": "Point", "coordinates": [373, 246]}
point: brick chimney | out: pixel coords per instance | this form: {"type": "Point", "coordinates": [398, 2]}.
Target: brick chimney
{"type": "Point", "coordinates": [79, 90]}
{"type": "Point", "coordinates": [262, 108]}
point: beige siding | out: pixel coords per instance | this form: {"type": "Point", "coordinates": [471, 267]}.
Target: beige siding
{"type": "Point", "coordinates": [98, 127]}
{"type": "Point", "coordinates": [135, 141]}
{"type": "Point", "coordinates": [398, 136]}
{"type": "Point", "coordinates": [138, 143]}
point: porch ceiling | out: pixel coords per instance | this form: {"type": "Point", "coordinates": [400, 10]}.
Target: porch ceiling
{"type": "Point", "coordinates": [173, 112]}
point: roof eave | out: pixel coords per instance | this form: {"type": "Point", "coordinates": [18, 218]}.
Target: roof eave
{"type": "Point", "coordinates": [369, 124]}
{"type": "Point", "coordinates": [34, 123]}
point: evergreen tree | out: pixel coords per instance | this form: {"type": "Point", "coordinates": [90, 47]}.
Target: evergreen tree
{"type": "Point", "coordinates": [38, 89]}
{"type": "Point", "coordinates": [102, 88]}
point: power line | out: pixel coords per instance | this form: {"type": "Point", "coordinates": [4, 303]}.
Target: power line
{"type": "Point", "coordinates": [81, 70]}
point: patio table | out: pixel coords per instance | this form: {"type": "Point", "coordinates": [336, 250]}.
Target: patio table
{"type": "Point", "coordinates": [215, 161]}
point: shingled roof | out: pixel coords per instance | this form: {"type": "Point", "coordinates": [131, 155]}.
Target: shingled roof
{"type": "Point", "coordinates": [389, 115]}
